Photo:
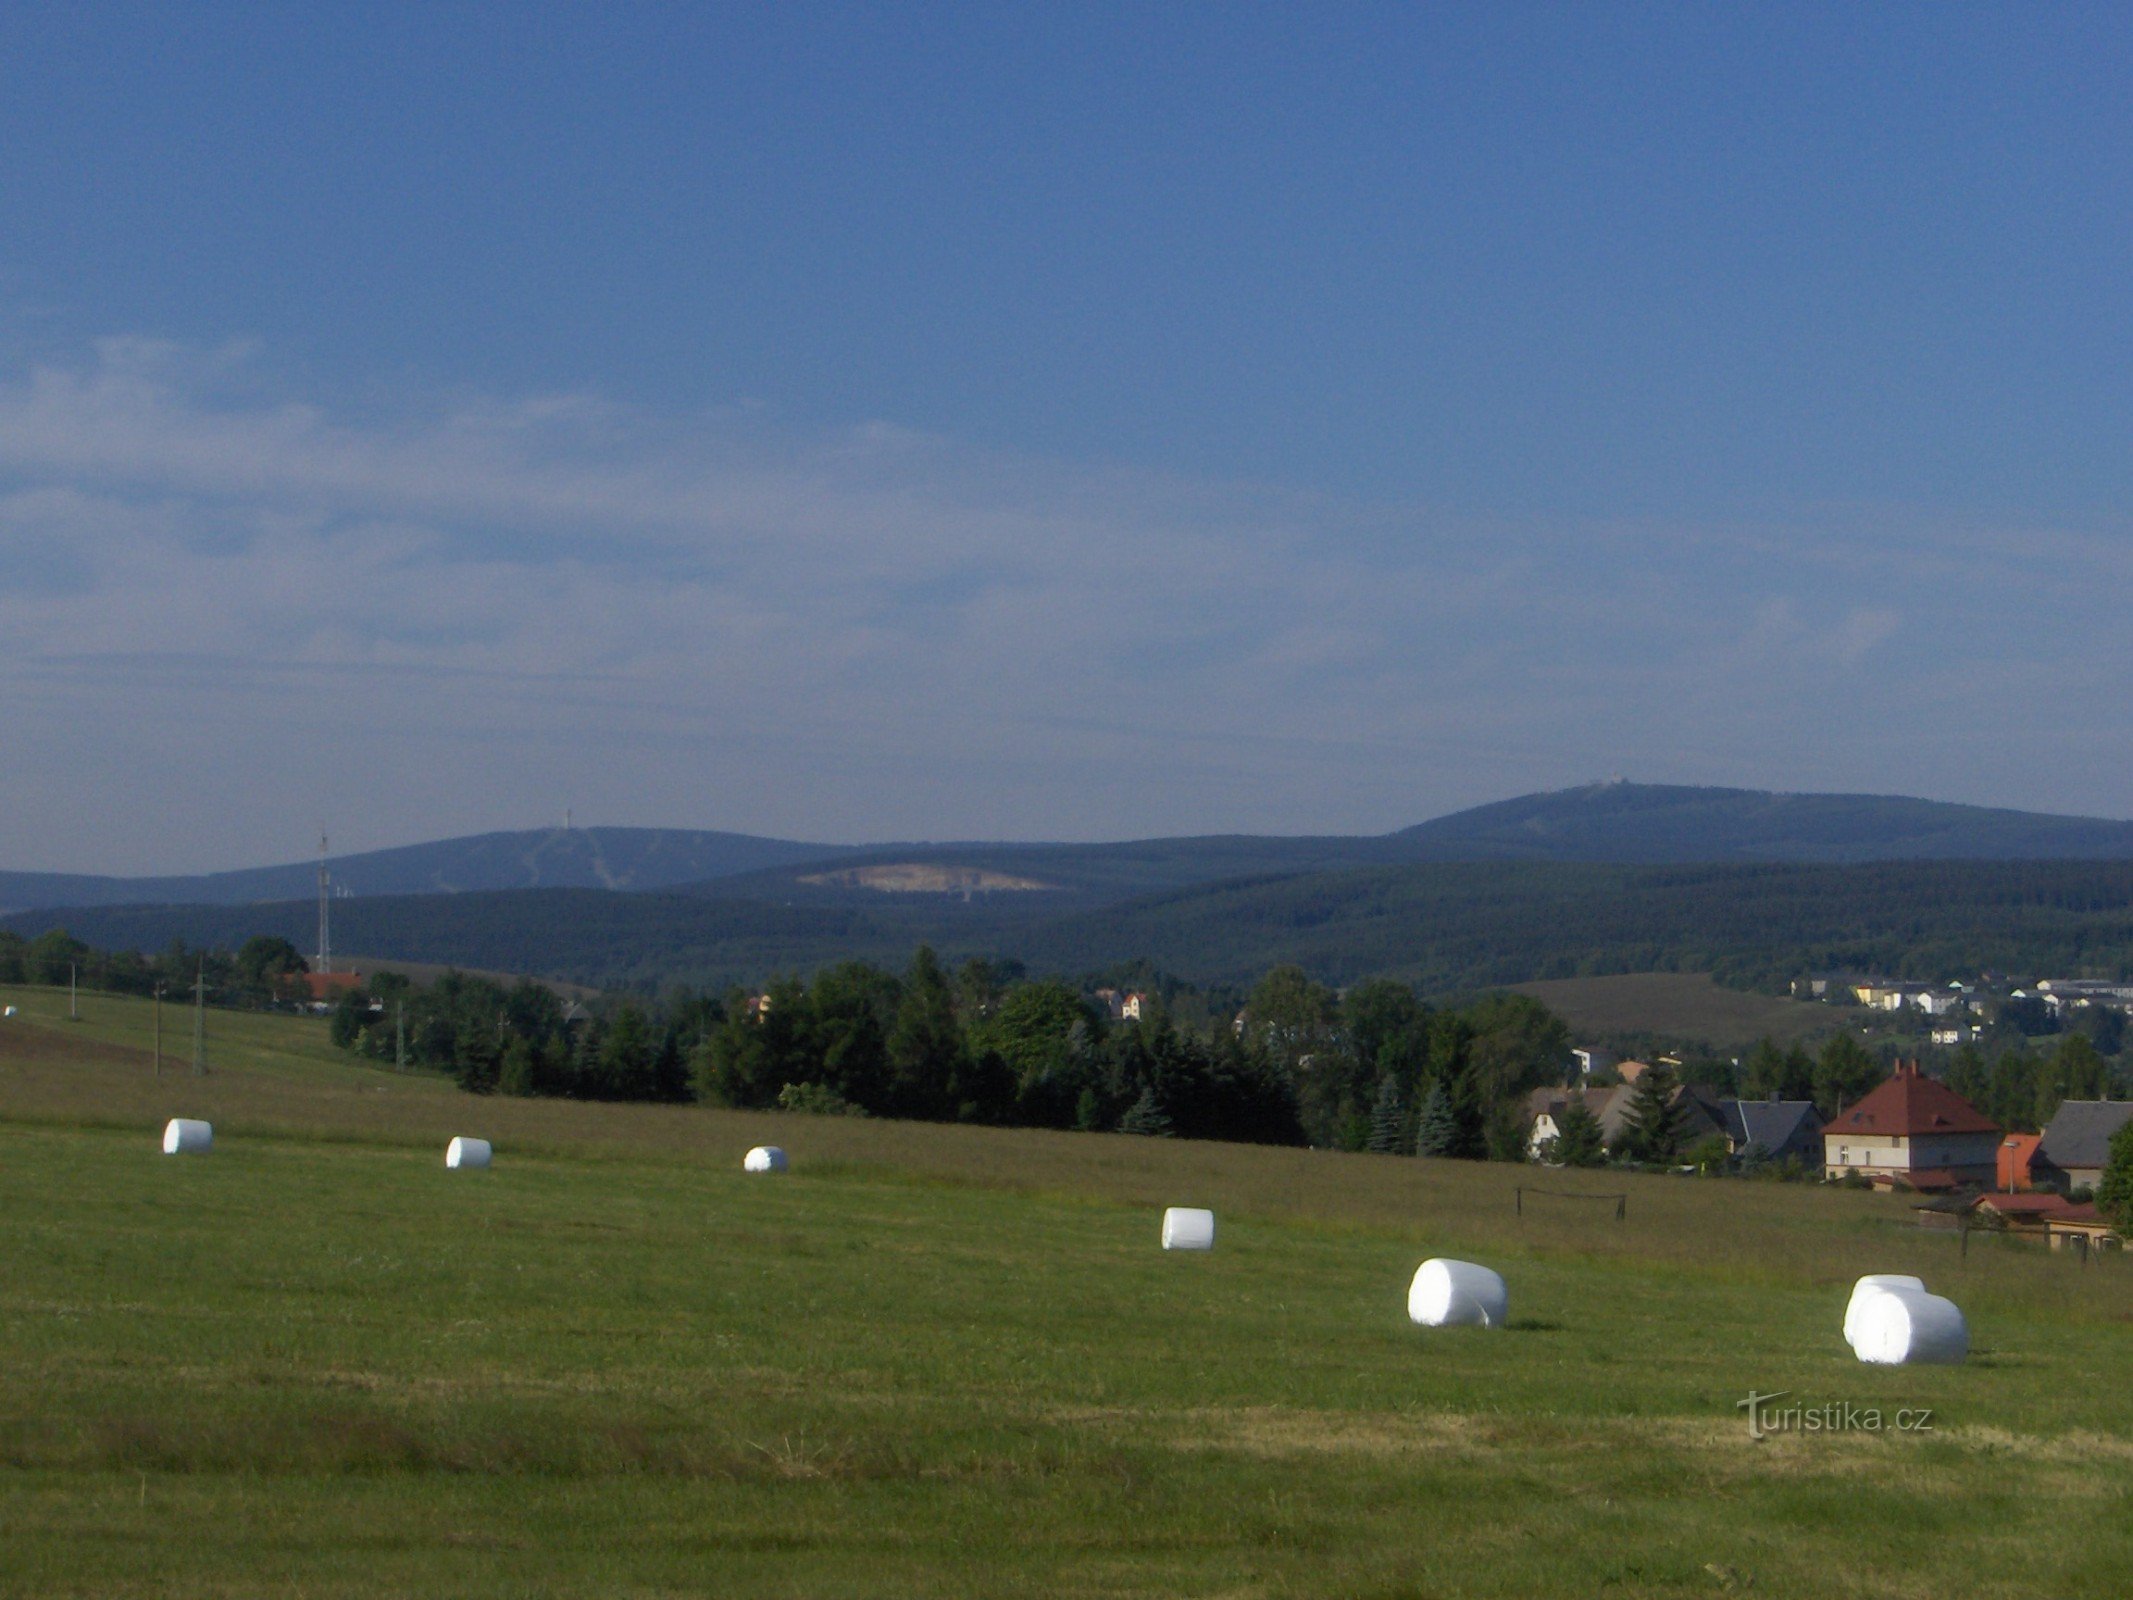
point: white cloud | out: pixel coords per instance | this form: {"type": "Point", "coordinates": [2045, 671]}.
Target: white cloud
{"type": "Point", "coordinates": [470, 614]}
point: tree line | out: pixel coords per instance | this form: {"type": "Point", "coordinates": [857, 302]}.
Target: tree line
{"type": "Point", "coordinates": [1374, 1068]}
{"type": "Point", "coordinates": [1444, 927]}
{"type": "Point", "coordinates": [256, 974]}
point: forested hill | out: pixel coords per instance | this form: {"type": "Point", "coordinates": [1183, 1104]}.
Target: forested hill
{"type": "Point", "coordinates": [1635, 822]}
{"type": "Point", "coordinates": [1443, 927]}
{"type": "Point", "coordinates": [562, 858]}
{"type": "Point", "coordinates": [1613, 822]}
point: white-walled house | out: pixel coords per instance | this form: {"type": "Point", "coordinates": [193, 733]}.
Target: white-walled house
{"type": "Point", "coordinates": [1915, 1130]}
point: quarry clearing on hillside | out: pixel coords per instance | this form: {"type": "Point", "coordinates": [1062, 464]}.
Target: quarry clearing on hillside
{"type": "Point", "coordinates": [925, 877]}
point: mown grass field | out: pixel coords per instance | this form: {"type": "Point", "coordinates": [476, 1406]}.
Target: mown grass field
{"type": "Point", "coordinates": [1683, 1005]}
{"type": "Point", "coordinates": [951, 1361]}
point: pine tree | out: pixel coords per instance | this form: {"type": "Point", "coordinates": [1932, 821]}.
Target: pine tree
{"type": "Point", "coordinates": [1388, 1120]}
{"type": "Point", "coordinates": [1146, 1116]}
{"type": "Point", "coordinates": [1088, 1111]}
{"type": "Point", "coordinates": [925, 1044]}
{"type": "Point", "coordinates": [520, 1073]}
{"type": "Point", "coordinates": [1439, 1133]}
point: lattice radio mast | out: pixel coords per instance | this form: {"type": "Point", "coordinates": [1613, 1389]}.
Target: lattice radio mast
{"type": "Point", "coordinates": [325, 886]}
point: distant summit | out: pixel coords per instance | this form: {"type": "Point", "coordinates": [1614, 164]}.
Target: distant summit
{"type": "Point", "coordinates": [1656, 823]}
{"type": "Point", "coordinates": [541, 858]}
{"type": "Point", "coordinates": [1626, 824]}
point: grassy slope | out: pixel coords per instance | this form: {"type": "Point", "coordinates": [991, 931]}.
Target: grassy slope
{"type": "Point", "coordinates": [945, 1360]}
{"type": "Point", "coordinates": [1681, 1005]}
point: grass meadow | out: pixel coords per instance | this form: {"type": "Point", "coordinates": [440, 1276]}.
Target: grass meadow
{"type": "Point", "coordinates": [952, 1361]}
{"type": "Point", "coordinates": [1685, 1005]}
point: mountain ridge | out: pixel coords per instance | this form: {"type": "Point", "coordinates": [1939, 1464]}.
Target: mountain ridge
{"type": "Point", "coordinates": [1618, 822]}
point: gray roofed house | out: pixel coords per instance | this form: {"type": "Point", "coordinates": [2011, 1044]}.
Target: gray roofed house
{"type": "Point", "coordinates": [1782, 1127]}
{"type": "Point", "coordinates": [2077, 1144]}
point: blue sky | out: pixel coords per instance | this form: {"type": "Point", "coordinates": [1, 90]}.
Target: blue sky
{"type": "Point", "coordinates": [1049, 422]}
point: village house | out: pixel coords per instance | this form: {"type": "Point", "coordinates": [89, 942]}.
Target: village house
{"type": "Point", "coordinates": [2076, 1145]}
{"type": "Point", "coordinates": [2050, 1217]}
{"type": "Point", "coordinates": [2063, 993]}
{"type": "Point", "coordinates": [1124, 1005]}
{"type": "Point", "coordinates": [1546, 1106]}
{"type": "Point", "coordinates": [1912, 1132]}
{"type": "Point", "coordinates": [1783, 1129]}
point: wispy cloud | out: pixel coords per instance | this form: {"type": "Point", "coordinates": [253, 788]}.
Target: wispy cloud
{"type": "Point", "coordinates": [228, 612]}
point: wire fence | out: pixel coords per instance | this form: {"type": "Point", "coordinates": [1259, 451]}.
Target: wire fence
{"type": "Point", "coordinates": [1620, 1201]}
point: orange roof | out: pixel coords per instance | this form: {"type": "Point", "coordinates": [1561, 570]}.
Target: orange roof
{"type": "Point", "coordinates": [2016, 1152]}
{"type": "Point", "coordinates": [1908, 1104]}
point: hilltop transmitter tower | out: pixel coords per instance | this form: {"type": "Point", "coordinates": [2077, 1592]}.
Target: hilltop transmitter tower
{"type": "Point", "coordinates": [325, 888]}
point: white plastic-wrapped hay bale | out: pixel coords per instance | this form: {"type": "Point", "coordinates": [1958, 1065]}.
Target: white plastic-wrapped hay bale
{"type": "Point", "coordinates": [1906, 1327]}
{"type": "Point", "coordinates": [1864, 1291]}
{"type": "Point", "coordinates": [1457, 1294]}
{"type": "Point", "coordinates": [764, 1158]}
{"type": "Point", "coordinates": [1188, 1228]}
{"type": "Point", "coordinates": [9, 1012]}
{"type": "Point", "coordinates": [182, 1136]}
{"type": "Point", "coordinates": [463, 1152]}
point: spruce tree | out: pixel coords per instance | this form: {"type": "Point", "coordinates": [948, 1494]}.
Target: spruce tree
{"type": "Point", "coordinates": [1653, 1125]}
{"type": "Point", "coordinates": [1439, 1133]}
{"type": "Point", "coordinates": [1388, 1120]}
{"type": "Point", "coordinates": [1579, 1140]}
{"type": "Point", "coordinates": [1146, 1116]}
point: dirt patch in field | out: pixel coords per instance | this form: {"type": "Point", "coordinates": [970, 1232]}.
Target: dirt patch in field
{"type": "Point", "coordinates": [32, 1045]}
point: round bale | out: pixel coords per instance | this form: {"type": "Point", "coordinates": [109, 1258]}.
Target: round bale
{"type": "Point", "coordinates": [1864, 1291]}
{"type": "Point", "coordinates": [1188, 1228]}
{"type": "Point", "coordinates": [1454, 1294]}
{"type": "Point", "coordinates": [1906, 1327]}
{"type": "Point", "coordinates": [182, 1136]}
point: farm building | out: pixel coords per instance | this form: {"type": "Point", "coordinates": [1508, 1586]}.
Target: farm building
{"type": "Point", "coordinates": [1913, 1132]}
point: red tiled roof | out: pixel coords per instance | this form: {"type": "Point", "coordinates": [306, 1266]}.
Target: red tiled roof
{"type": "Point", "coordinates": [2025, 1205]}
{"type": "Point", "coordinates": [2085, 1212]}
{"type": "Point", "coordinates": [1925, 1180]}
{"type": "Point", "coordinates": [1909, 1104]}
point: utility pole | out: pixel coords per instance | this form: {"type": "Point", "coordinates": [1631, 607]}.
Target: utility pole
{"type": "Point", "coordinates": [399, 1036]}
{"type": "Point", "coordinates": [159, 1030]}
{"type": "Point", "coordinates": [200, 1022]}
{"type": "Point", "coordinates": [73, 1010]}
